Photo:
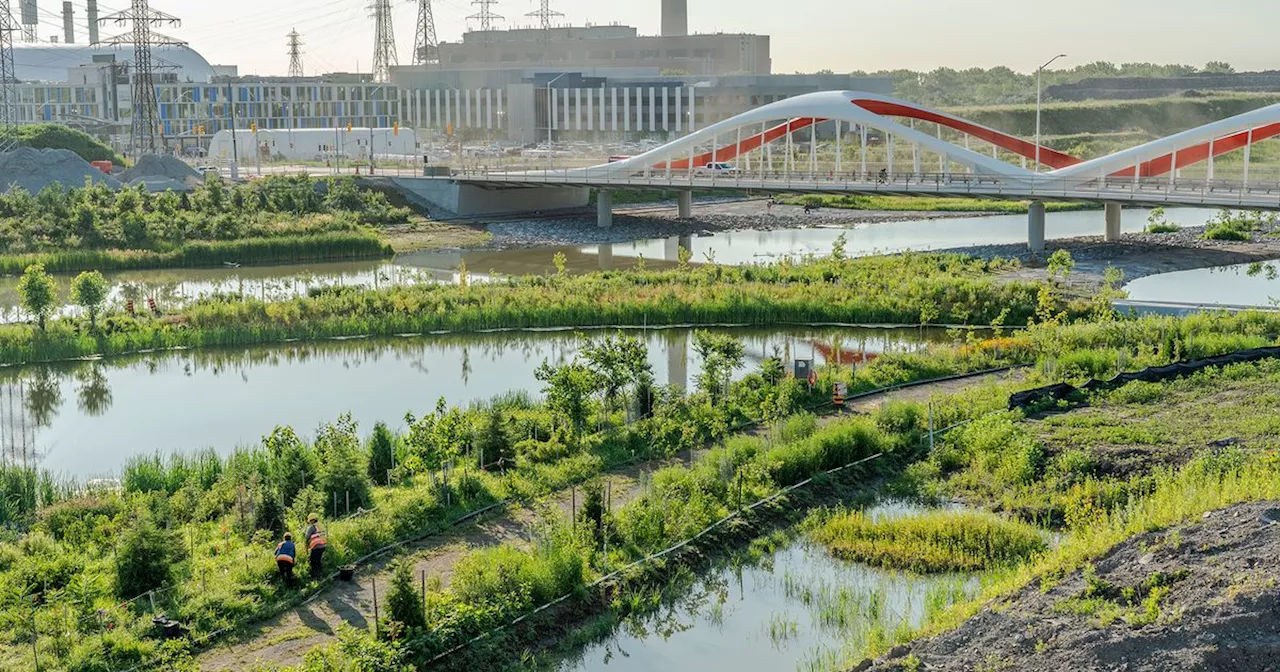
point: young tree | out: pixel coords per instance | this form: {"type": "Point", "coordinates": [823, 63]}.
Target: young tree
{"type": "Point", "coordinates": [721, 354]}
{"type": "Point", "coordinates": [39, 293]}
{"type": "Point", "coordinates": [495, 447]}
{"type": "Point", "coordinates": [89, 291]}
{"type": "Point", "coordinates": [343, 465]}
{"type": "Point", "coordinates": [568, 390]}
{"type": "Point", "coordinates": [404, 604]}
{"type": "Point", "coordinates": [620, 360]}
{"type": "Point", "coordinates": [381, 454]}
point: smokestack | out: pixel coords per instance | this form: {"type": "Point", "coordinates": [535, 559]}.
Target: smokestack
{"type": "Point", "coordinates": [675, 18]}
{"type": "Point", "coordinates": [91, 13]}
{"type": "Point", "coordinates": [68, 24]}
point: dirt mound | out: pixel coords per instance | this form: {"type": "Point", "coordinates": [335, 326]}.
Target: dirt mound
{"type": "Point", "coordinates": [1200, 597]}
{"type": "Point", "coordinates": [152, 166]}
{"type": "Point", "coordinates": [35, 169]}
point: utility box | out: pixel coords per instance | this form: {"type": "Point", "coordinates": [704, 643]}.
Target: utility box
{"type": "Point", "coordinates": [803, 369]}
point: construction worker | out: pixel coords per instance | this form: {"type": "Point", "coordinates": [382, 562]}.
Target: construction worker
{"type": "Point", "coordinates": [286, 557]}
{"type": "Point", "coordinates": [316, 544]}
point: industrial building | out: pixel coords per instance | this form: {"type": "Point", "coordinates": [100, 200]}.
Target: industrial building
{"type": "Point", "coordinates": [525, 85]}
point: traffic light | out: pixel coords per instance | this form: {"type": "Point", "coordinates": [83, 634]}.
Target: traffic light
{"type": "Point", "coordinates": [395, 128]}
{"type": "Point", "coordinates": [348, 127]}
{"type": "Point", "coordinates": [253, 126]}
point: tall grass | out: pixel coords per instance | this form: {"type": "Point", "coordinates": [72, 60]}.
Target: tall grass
{"type": "Point", "coordinates": [937, 541]}
{"type": "Point", "coordinates": [276, 250]}
{"type": "Point", "coordinates": [953, 288]}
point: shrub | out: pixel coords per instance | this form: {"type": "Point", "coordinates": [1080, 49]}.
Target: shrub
{"type": "Point", "coordinates": [404, 605]}
{"type": "Point", "coordinates": [145, 557]}
{"type": "Point", "coordinates": [381, 454]}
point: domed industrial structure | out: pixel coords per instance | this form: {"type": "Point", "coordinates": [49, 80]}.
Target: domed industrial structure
{"type": "Point", "coordinates": [53, 61]}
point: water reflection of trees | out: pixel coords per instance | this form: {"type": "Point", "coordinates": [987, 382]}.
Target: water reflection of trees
{"type": "Point", "coordinates": [94, 392]}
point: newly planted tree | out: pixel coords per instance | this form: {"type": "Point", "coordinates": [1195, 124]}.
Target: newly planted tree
{"type": "Point", "coordinates": [381, 454]}
{"type": "Point", "coordinates": [89, 291]}
{"type": "Point", "coordinates": [404, 606]}
{"type": "Point", "coordinates": [39, 293]}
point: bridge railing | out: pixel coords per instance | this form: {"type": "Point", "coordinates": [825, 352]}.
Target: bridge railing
{"type": "Point", "coordinates": [1179, 191]}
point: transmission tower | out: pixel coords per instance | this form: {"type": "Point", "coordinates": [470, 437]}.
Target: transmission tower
{"type": "Point", "coordinates": [384, 41]}
{"type": "Point", "coordinates": [485, 16]}
{"type": "Point", "coordinates": [426, 48]}
{"type": "Point", "coordinates": [8, 92]}
{"type": "Point", "coordinates": [295, 53]}
{"type": "Point", "coordinates": [148, 136]}
{"type": "Point", "coordinates": [544, 14]}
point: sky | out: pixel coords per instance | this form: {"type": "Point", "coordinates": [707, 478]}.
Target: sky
{"type": "Point", "coordinates": [807, 35]}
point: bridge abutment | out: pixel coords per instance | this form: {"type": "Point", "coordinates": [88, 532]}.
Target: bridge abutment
{"type": "Point", "coordinates": [1112, 214]}
{"type": "Point", "coordinates": [684, 204]}
{"type": "Point", "coordinates": [1035, 227]}
{"type": "Point", "coordinates": [604, 208]}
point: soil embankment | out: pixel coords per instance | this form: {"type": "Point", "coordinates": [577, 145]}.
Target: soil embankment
{"type": "Point", "coordinates": [1199, 597]}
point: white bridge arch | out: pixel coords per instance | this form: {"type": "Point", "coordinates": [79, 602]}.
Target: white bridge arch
{"type": "Point", "coordinates": [1144, 175]}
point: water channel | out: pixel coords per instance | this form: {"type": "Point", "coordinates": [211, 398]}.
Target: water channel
{"type": "Point", "coordinates": [173, 287]}
{"type": "Point", "coordinates": [798, 609]}
{"type": "Point", "coordinates": [85, 419]}
{"type": "Point", "coordinates": [1242, 285]}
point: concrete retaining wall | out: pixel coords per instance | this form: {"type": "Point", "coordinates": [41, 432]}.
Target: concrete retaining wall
{"type": "Point", "coordinates": [465, 200]}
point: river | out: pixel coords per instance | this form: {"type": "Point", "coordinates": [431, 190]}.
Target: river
{"type": "Point", "coordinates": [85, 419]}
{"type": "Point", "coordinates": [1241, 285]}
{"type": "Point", "coordinates": [173, 287]}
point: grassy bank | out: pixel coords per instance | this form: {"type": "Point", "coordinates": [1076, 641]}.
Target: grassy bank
{"type": "Point", "coordinates": [1125, 463]}
{"type": "Point", "coordinates": [93, 228]}
{"type": "Point", "coordinates": [910, 288]}
{"type": "Point", "coordinates": [925, 204]}
{"type": "Point", "coordinates": [276, 250]}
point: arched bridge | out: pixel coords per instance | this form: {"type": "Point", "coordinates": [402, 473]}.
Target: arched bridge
{"type": "Point", "coordinates": [776, 148]}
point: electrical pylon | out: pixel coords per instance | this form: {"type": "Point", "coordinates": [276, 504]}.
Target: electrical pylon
{"type": "Point", "coordinates": [8, 77]}
{"type": "Point", "coordinates": [295, 53]}
{"type": "Point", "coordinates": [426, 48]}
{"type": "Point", "coordinates": [384, 41]}
{"type": "Point", "coordinates": [148, 134]}
{"type": "Point", "coordinates": [545, 14]}
{"type": "Point", "coordinates": [485, 16]}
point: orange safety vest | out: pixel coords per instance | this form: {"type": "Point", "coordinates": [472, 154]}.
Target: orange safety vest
{"type": "Point", "coordinates": [317, 540]}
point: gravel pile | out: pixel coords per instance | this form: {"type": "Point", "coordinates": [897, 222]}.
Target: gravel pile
{"type": "Point", "coordinates": [153, 166]}
{"type": "Point", "coordinates": [35, 169]}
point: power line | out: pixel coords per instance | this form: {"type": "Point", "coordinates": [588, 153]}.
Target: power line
{"type": "Point", "coordinates": [545, 14]}
{"type": "Point", "coordinates": [384, 41]}
{"type": "Point", "coordinates": [148, 135]}
{"type": "Point", "coordinates": [426, 47]}
{"type": "Point", "coordinates": [485, 16]}
{"type": "Point", "coordinates": [8, 92]}
{"type": "Point", "coordinates": [295, 53]}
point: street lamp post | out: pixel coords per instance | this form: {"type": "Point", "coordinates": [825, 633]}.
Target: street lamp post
{"type": "Point", "coordinates": [1039, 74]}
{"type": "Point", "coordinates": [550, 115]}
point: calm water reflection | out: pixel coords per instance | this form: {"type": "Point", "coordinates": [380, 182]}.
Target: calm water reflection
{"type": "Point", "coordinates": [86, 418]}
{"type": "Point", "coordinates": [1242, 285]}
{"type": "Point", "coordinates": [798, 609]}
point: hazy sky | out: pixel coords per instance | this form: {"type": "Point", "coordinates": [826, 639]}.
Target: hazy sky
{"type": "Point", "coordinates": [808, 35]}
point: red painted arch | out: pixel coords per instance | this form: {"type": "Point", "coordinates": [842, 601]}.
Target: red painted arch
{"type": "Point", "coordinates": [1048, 157]}
{"type": "Point", "coordinates": [1196, 153]}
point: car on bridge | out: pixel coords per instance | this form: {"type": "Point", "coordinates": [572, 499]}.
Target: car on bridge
{"type": "Point", "coordinates": [716, 168]}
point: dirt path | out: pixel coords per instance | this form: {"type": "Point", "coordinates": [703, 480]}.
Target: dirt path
{"type": "Point", "coordinates": [1219, 612]}
{"type": "Point", "coordinates": [285, 639]}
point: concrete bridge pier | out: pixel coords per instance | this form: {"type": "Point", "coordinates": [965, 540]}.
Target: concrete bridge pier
{"type": "Point", "coordinates": [604, 208]}
{"type": "Point", "coordinates": [1035, 227]}
{"type": "Point", "coordinates": [684, 203]}
{"type": "Point", "coordinates": [1112, 213]}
